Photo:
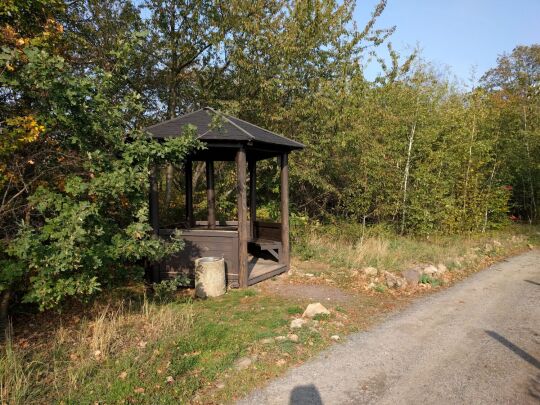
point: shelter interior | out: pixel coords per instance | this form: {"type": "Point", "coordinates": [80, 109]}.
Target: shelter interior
{"type": "Point", "coordinates": [253, 250]}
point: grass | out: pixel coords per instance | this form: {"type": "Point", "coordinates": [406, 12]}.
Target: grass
{"type": "Point", "coordinates": [425, 279]}
{"type": "Point", "coordinates": [155, 352]}
{"type": "Point", "coordinates": [126, 348]}
{"type": "Point", "coordinates": [326, 253]}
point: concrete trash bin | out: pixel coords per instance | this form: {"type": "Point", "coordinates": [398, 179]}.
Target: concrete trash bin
{"type": "Point", "coordinates": [209, 277]}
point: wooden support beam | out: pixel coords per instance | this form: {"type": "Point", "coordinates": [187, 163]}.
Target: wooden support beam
{"type": "Point", "coordinates": [252, 196]}
{"type": "Point", "coordinates": [242, 218]}
{"type": "Point", "coordinates": [210, 194]}
{"type": "Point", "coordinates": [285, 247]}
{"type": "Point", "coordinates": [154, 216]}
{"type": "Point", "coordinates": [188, 172]}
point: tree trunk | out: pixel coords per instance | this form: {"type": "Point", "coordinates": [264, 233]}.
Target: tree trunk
{"type": "Point", "coordinates": [532, 214]}
{"type": "Point", "coordinates": [469, 164]}
{"type": "Point", "coordinates": [5, 297]}
{"type": "Point", "coordinates": [488, 197]}
{"type": "Point", "coordinates": [406, 176]}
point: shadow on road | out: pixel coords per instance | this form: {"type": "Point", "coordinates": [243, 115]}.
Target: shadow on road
{"type": "Point", "coordinates": [532, 282]}
{"type": "Point", "coordinates": [520, 352]}
{"type": "Point", "coordinates": [305, 395]}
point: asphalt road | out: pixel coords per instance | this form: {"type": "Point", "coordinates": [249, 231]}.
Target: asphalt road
{"type": "Point", "coordinates": [477, 342]}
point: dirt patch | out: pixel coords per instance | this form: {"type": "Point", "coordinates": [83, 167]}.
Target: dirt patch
{"type": "Point", "coordinates": [283, 287]}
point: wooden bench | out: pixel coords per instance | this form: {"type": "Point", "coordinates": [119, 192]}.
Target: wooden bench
{"type": "Point", "coordinates": [271, 246]}
{"type": "Point", "coordinates": [267, 236]}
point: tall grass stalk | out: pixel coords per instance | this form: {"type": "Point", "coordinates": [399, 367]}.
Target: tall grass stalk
{"type": "Point", "coordinates": [15, 374]}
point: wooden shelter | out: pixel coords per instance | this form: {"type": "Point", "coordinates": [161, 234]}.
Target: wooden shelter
{"type": "Point", "coordinates": [253, 250]}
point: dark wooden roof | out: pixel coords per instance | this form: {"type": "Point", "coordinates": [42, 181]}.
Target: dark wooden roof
{"type": "Point", "coordinates": [214, 126]}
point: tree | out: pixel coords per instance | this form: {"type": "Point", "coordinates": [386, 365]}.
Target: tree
{"type": "Point", "coordinates": [74, 183]}
{"type": "Point", "coordinates": [515, 83]}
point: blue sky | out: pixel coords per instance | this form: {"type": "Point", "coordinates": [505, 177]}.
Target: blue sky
{"type": "Point", "coordinates": [457, 34]}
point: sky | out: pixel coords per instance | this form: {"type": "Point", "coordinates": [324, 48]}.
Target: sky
{"type": "Point", "coordinates": [458, 34]}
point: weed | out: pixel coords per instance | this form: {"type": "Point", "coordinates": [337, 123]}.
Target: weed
{"type": "Point", "coordinates": [380, 288]}
{"type": "Point", "coordinates": [249, 292]}
{"type": "Point", "coordinates": [321, 317]}
{"type": "Point", "coordinates": [339, 308]}
{"type": "Point", "coordinates": [166, 289]}
{"type": "Point", "coordinates": [425, 279]}
{"type": "Point", "coordinates": [294, 310]}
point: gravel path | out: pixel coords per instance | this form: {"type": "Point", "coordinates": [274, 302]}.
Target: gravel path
{"type": "Point", "coordinates": [477, 342]}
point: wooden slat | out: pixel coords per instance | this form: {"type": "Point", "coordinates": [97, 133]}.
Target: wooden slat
{"type": "Point", "coordinates": [220, 223]}
{"type": "Point", "coordinates": [267, 230]}
{"type": "Point", "coordinates": [263, 272]}
{"type": "Point", "coordinates": [201, 232]}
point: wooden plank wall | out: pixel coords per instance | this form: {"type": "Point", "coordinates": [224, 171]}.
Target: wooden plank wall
{"type": "Point", "coordinates": [200, 243]}
{"type": "Point", "coordinates": [267, 230]}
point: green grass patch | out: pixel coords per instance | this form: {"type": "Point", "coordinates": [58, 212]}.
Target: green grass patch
{"type": "Point", "coordinates": [160, 353]}
{"type": "Point", "coordinates": [295, 310]}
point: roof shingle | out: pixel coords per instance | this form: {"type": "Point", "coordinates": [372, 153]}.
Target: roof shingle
{"type": "Point", "coordinates": [213, 125]}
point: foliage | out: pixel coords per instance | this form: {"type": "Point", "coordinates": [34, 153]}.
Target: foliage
{"type": "Point", "coordinates": [411, 152]}
{"type": "Point", "coordinates": [74, 171]}
{"type": "Point", "coordinates": [164, 290]}
{"type": "Point", "coordinates": [425, 279]}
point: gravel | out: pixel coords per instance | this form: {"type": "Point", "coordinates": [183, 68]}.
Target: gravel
{"type": "Point", "coordinates": [476, 342]}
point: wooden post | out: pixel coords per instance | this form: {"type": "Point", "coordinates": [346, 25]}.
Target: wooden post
{"type": "Point", "coordinates": [154, 217]}
{"type": "Point", "coordinates": [285, 248]}
{"type": "Point", "coordinates": [188, 172]}
{"type": "Point", "coordinates": [210, 194]}
{"type": "Point", "coordinates": [252, 196]}
{"type": "Point", "coordinates": [242, 218]}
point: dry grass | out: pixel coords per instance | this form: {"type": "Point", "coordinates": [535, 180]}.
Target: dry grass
{"type": "Point", "coordinates": [341, 254]}
{"type": "Point", "coordinates": [74, 354]}
{"type": "Point", "coordinates": [15, 375]}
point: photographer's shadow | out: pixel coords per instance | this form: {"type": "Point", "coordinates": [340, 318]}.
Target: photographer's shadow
{"type": "Point", "coordinates": [305, 395]}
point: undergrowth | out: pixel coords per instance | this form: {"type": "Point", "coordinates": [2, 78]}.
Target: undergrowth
{"type": "Point", "coordinates": [340, 250]}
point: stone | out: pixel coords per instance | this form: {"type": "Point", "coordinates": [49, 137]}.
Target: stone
{"type": "Point", "coordinates": [169, 379]}
{"type": "Point", "coordinates": [530, 246]}
{"type": "Point", "coordinates": [267, 341]}
{"type": "Point", "coordinates": [281, 362]}
{"type": "Point", "coordinates": [293, 338]}
{"type": "Point", "coordinates": [441, 268]}
{"type": "Point", "coordinates": [243, 363]}
{"type": "Point", "coordinates": [412, 276]}
{"type": "Point", "coordinates": [297, 323]}
{"type": "Point", "coordinates": [430, 270]}
{"type": "Point", "coordinates": [220, 386]}
{"type": "Point", "coordinates": [315, 309]}
{"type": "Point", "coordinates": [334, 337]}
{"type": "Point", "coordinates": [370, 271]}
{"type": "Point", "coordinates": [280, 338]}
{"type": "Point", "coordinates": [496, 243]}
{"type": "Point", "coordinates": [393, 281]}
